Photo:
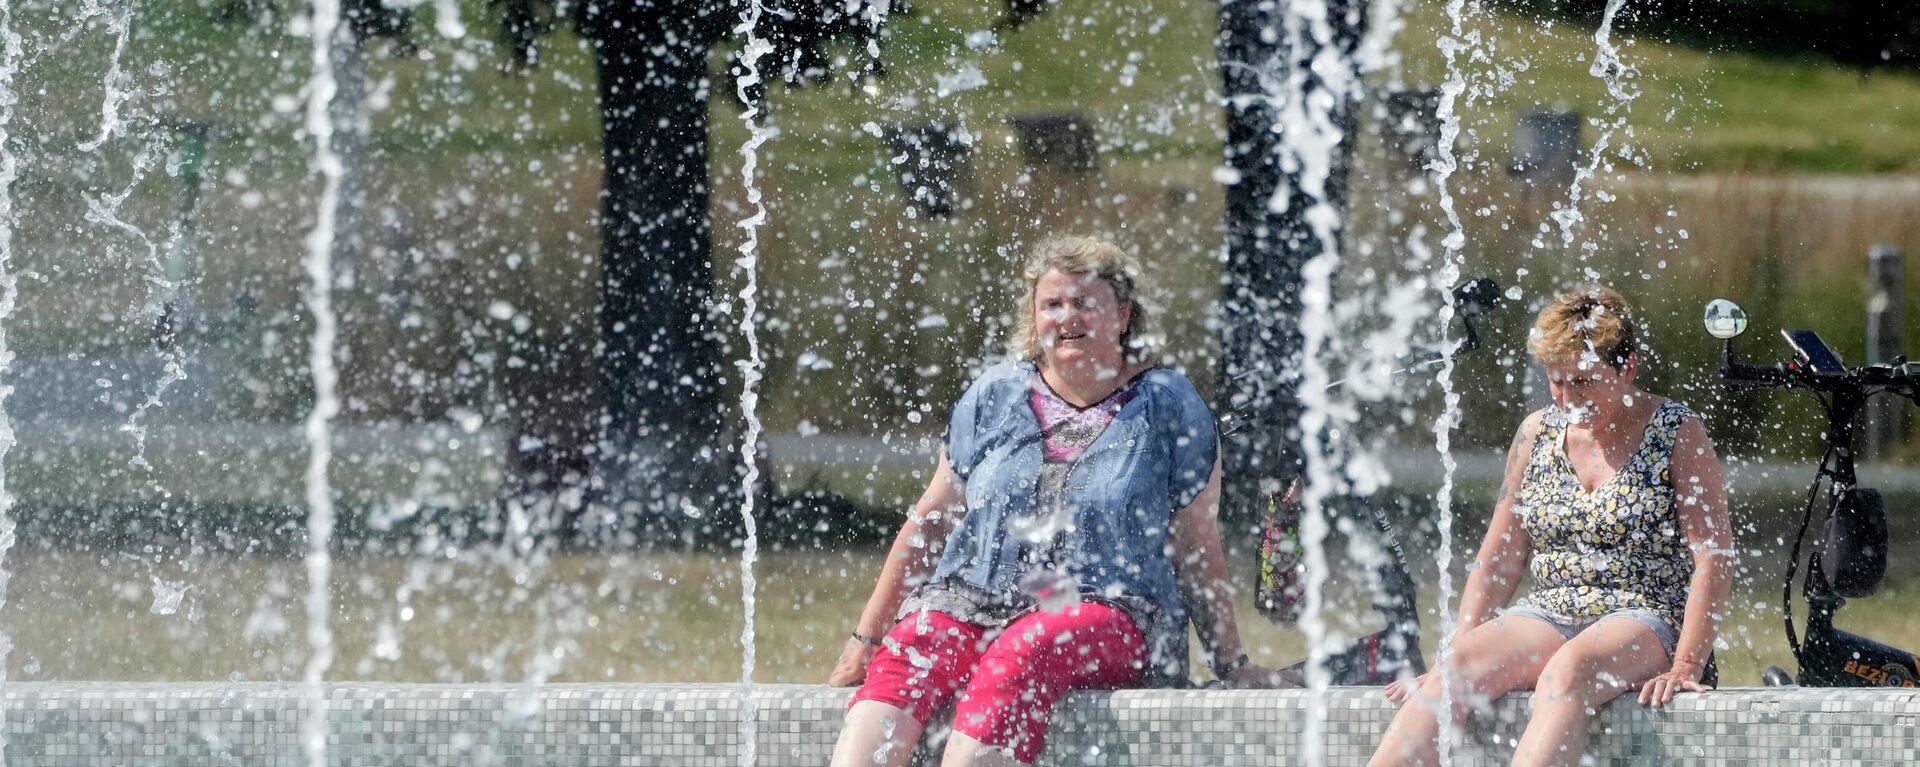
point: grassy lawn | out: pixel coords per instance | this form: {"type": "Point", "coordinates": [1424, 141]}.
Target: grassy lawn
{"type": "Point", "coordinates": [1698, 112]}
{"type": "Point", "coordinates": [1146, 73]}
{"type": "Point", "coordinates": [439, 611]}
{"type": "Point", "coordinates": [639, 618]}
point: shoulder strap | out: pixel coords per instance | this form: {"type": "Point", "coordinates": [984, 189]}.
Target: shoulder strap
{"type": "Point", "coordinates": [1547, 441]}
{"type": "Point", "coordinates": [1669, 419]}
{"type": "Point", "coordinates": [1666, 430]}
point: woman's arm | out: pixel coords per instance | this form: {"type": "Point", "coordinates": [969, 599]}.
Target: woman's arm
{"type": "Point", "coordinates": [915, 551]}
{"type": "Point", "coordinates": [1200, 567]}
{"type": "Point", "coordinates": [1504, 552]}
{"type": "Point", "coordinates": [1700, 500]}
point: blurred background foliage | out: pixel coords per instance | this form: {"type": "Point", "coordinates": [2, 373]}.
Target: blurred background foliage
{"type": "Point", "coordinates": [475, 294]}
{"type": "Point", "coordinates": [1771, 144]}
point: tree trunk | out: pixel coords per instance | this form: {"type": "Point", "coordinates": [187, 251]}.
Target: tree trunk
{"type": "Point", "coordinates": [666, 463]}
{"type": "Point", "coordinates": [1259, 331]}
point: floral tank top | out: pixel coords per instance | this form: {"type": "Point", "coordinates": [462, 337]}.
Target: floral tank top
{"type": "Point", "coordinates": [1618, 548]}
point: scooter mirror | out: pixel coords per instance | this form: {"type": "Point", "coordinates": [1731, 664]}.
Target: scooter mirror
{"type": "Point", "coordinates": [1725, 319]}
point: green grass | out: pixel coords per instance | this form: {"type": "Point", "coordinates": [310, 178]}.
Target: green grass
{"type": "Point", "coordinates": [1699, 112]}
{"type": "Point", "coordinates": [647, 617]}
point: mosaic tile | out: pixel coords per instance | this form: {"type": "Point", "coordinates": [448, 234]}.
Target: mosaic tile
{"type": "Point", "coordinates": [95, 725]}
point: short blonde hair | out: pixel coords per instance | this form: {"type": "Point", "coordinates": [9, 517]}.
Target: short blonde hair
{"type": "Point", "coordinates": [1080, 255]}
{"type": "Point", "coordinates": [1592, 324]}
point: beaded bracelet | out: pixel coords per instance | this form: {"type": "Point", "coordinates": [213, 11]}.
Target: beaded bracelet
{"type": "Point", "coordinates": [866, 640]}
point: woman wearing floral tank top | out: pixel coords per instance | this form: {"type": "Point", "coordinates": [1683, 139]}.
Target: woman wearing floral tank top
{"type": "Point", "coordinates": [1615, 504]}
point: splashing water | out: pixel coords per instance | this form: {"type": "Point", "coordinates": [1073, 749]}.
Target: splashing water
{"type": "Point", "coordinates": [1443, 425]}
{"type": "Point", "coordinates": [10, 55]}
{"type": "Point", "coordinates": [751, 368]}
{"type": "Point", "coordinates": [1376, 52]}
{"type": "Point", "coordinates": [104, 210]}
{"type": "Point", "coordinates": [876, 16]}
{"type": "Point", "coordinates": [1313, 138]}
{"type": "Point", "coordinates": [521, 554]}
{"type": "Point", "coordinates": [1609, 68]}
{"type": "Point", "coordinates": [118, 84]}
{"type": "Point", "coordinates": [1606, 61]}
{"type": "Point", "coordinates": [173, 371]}
{"type": "Point", "coordinates": [1456, 42]}
{"type": "Point", "coordinates": [1053, 590]}
{"type": "Point", "coordinates": [326, 403]}
{"type": "Point", "coordinates": [888, 725]}
{"type": "Point", "coordinates": [1321, 454]}
{"type": "Point", "coordinates": [446, 19]}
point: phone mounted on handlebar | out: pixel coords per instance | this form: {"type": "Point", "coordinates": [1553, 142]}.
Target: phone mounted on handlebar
{"type": "Point", "coordinates": [1849, 558]}
{"type": "Point", "coordinates": [1814, 354]}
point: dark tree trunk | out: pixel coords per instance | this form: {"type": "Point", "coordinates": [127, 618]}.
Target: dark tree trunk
{"type": "Point", "coordinates": [665, 458]}
{"type": "Point", "coordinates": [1260, 325]}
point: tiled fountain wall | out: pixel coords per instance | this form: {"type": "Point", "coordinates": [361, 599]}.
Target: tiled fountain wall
{"type": "Point", "coordinates": [100, 724]}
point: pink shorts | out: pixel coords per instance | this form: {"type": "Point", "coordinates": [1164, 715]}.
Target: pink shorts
{"type": "Point", "coordinates": [1011, 680]}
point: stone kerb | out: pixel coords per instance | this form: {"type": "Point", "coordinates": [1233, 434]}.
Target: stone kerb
{"type": "Point", "coordinates": [699, 726]}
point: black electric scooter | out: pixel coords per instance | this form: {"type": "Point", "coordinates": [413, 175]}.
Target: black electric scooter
{"type": "Point", "coordinates": [1849, 556]}
{"type": "Point", "coordinates": [1379, 657]}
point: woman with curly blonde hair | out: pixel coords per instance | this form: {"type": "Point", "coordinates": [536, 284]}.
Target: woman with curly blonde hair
{"type": "Point", "coordinates": [1065, 542]}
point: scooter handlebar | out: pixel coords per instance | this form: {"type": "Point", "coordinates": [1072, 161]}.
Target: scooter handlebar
{"type": "Point", "coordinates": [1902, 379]}
{"type": "Point", "coordinates": [1746, 375]}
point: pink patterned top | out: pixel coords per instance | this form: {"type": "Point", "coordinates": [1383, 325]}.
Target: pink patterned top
{"type": "Point", "coordinates": [1067, 432]}
{"type": "Point", "coordinates": [1070, 430]}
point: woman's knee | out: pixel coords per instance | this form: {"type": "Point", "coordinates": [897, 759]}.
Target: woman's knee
{"type": "Point", "coordinates": [1575, 675]}
{"type": "Point", "coordinates": [922, 663]}
{"type": "Point", "coordinates": [1503, 655]}
{"type": "Point", "coordinates": [1465, 694]}
{"type": "Point", "coordinates": [1005, 707]}
{"type": "Point", "coordinates": [1474, 678]}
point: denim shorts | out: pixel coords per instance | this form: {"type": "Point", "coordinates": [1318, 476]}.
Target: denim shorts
{"type": "Point", "coordinates": [1568, 627]}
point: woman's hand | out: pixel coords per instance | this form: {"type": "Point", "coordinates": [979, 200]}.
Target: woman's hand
{"type": "Point", "coordinates": [915, 550]}
{"type": "Point", "coordinates": [1252, 676]}
{"type": "Point", "coordinates": [1683, 677]}
{"type": "Point", "coordinates": [852, 668]}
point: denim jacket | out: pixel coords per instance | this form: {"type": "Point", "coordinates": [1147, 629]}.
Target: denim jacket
{"type": "Point", "coordinates": [1153, 459]}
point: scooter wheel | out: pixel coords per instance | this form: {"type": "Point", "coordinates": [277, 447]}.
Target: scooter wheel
{"type": "Point", "coordinates": [1776, 676]}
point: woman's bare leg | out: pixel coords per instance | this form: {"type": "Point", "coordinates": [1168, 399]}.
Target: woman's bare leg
{"type": "Point", "coordinates": [1608, 658]}
{"type": "Point", "coordinates": [876, 735]}
{"type": "Point", "coordinates": [1495, 658]}
{"type": "Point", "coordinates": [964, 751]}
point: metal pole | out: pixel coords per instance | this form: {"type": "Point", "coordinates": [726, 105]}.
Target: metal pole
{"type": "Point", "coordinates": [1886, 424]}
